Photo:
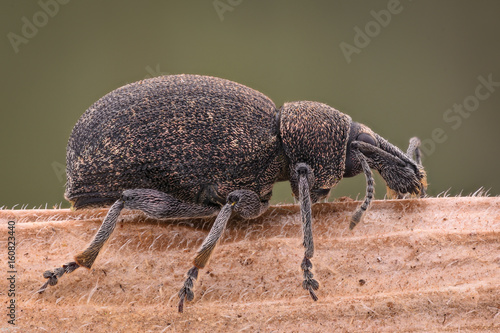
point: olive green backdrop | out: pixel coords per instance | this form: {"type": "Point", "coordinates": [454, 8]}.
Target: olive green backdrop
{"type": "Point", "coordinates": [395, 66]}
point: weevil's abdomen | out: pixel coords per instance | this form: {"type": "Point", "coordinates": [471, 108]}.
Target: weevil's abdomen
{"type": "Point", "coordinates": [185, 135]}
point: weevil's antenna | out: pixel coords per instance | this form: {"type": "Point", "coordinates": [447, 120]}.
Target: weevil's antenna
{"type": "Point", "coordinates": [360, 211]}
{"type": "Point", "coordinates": [414, 150]}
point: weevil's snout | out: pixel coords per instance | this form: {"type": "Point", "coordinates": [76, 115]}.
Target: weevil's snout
{"type": "Point", "coordinates": [402, 179]}
{"type": "Point", "coordinates": [402, 173]}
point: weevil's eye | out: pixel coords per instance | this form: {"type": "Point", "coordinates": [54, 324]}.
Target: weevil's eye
{"type": "Point", "coordinates": [365, 137]}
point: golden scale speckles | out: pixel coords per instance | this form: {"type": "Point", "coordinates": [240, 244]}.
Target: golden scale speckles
{"type": "Point", "coordinates": [189, 130]}
{"type": "Point", "coordinates": [215, 142]}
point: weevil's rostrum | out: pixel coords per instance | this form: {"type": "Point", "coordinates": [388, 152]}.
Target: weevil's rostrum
{"type": "Point", "coordinates": [186, 146]}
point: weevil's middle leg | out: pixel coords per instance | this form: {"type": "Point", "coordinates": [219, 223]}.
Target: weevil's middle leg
{"type": "Point", "coordinates": [204, 253]}
{"type": "Point", "coordinates": [245, 203]}
{"type": "Point", "coordinates": [309, 283]}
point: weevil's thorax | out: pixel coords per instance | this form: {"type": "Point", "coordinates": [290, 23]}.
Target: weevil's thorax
{"type": "Point", "coordinates": [315, 134]}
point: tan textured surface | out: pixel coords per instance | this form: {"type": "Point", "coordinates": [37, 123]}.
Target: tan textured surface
{"type": "Point", "coordinates": [412, 265]}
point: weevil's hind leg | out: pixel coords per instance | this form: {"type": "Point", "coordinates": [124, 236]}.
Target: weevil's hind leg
{"type": "Point", "coordinates": [304, 174]}
{"type": "Point", "coordinates": [153, 203]}
{"type": "Point", "coordinates": [370, 189]}
{"type": "Point", "coordinates": [87, 257]}
{"type": "Point", "coordinates": [245, 203]}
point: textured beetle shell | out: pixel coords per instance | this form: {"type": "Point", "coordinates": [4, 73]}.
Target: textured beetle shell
{"type": "Point", "coordinates": [187, 135]}
{"type": "Point", "coordinates": [316, 134]}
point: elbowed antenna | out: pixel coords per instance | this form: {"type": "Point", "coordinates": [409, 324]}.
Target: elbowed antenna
{"type": "Point", "coordinates": [370, 189]}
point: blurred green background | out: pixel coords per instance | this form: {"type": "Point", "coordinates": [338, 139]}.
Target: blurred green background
{"type": "Point", "coordinates": [399, 75]}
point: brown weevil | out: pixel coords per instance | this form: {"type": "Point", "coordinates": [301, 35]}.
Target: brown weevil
{"type": "Point", "coordinates": [186, 146]}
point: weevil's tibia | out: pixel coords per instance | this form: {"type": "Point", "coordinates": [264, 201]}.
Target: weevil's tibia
{"type": "Point", "coordinates": [204, 253]}
{"type": "Point", "coordinates": [309, 284]}
{"type": "Point", "coordinates": [87, 257]}
{"type": "Point", "coordinates": [370, 189]}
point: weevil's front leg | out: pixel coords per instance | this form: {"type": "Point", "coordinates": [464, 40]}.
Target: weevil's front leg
{"type": "Point", "coordinates": [370, 189]}
{"type": "Point", "coordinates": [245, 203]}
{"type": "Point", "coordinates": [304, 174]}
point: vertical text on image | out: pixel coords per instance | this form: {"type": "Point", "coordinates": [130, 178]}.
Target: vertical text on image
{"type": "Point", "coordinates": [11, 272]}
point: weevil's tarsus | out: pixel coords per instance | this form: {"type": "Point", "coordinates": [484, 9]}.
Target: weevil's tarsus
{"type": "Point", "coordinates": [309, 283]}
{"type": "Point", "coordinates": [53, 276]}
{"type": "Point", "coordinates": [304, 174]}
{"type": "Point", "coordinates": [186, 292]}
{"type": "Point", "coordinates": [370, 189]}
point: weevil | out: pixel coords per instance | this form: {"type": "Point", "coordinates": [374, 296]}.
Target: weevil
{"type": "Point", "coordinates": [187, 146]}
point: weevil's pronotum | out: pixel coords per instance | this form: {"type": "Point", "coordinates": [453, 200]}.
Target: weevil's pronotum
{"type": "Point", "coordinates": [186, 146]}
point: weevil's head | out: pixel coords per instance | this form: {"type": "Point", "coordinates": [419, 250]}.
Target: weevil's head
{"type": "Point", "coordinates": [314, 135]}
{"type": "Point", "coordinates": [401, 173]}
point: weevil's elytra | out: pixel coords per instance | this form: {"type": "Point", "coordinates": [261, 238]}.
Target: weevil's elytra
{"type": "Point", "coordinates": [185, 146]}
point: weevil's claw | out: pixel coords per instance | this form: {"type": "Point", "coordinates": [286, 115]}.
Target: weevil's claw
{"type": "Point", "coordinates": [186, 292]}
{"type": "Point", "coordinates": [309, 283]}
{"type": "Point", "coordinates": [182, 295]}
{"type": "Point", "coordinates": [52, 276]}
